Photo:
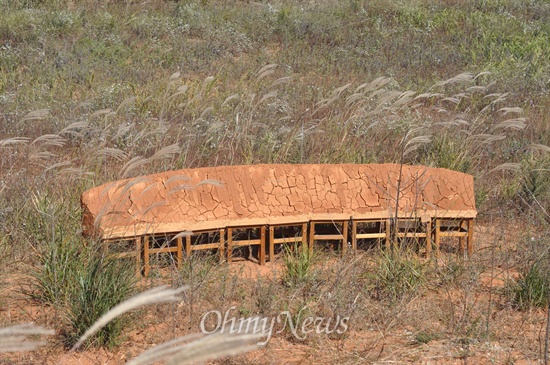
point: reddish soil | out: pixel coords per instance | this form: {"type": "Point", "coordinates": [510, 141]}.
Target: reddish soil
{"type": "Point", "coordinates": [515, 336]}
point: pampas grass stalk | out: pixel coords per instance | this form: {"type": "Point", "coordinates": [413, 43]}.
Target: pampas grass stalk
{"type": "Point", "coordinates": [161, 294]}
{"type": "Point", "coordinates": [15, 338]}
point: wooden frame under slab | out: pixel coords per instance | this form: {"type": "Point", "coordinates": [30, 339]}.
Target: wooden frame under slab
{"type": "Point", "coordinates": [342, 237]}
{"type": "Point", "coordinates": [431, 230]}
{"type": "Point", "coordinates": [146, 251]}
{"type": "Point", "coordinates": [191, 246]}
{"type": "Point", "coordinates": [381, 231]}
{"type": "Point", "coordinates": [464, 230]}
{"type": "Point", "coordinates": [231, 242]}
{"type": "Point", "coordinates": [136, 253]}
{"type": "Point", "coordinates": [169, 248]}
{"type": "Point", "coordinates": [414, 228]}
{"type": "Point", "coordinates": [292, 239]}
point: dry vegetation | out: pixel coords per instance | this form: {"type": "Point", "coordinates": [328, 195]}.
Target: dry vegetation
{"type": "Point", "coordinates": [92, 91]}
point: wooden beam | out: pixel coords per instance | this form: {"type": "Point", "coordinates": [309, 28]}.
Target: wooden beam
{"type": "Point", "coordinates": [188, 242]}
{"type": "Point", "coordinates": [146, 265]}
{"type": "Point", "coordinates": [138, 255]}
{"type": "Point", "coordinates": [470, 242]}
{"type": "Point", "coordinates": [428, 238]}
{"type": "Point", "coordinates": [271, 243]}
{"type": "Point", "coordinates": [437, 235]}
{"type": "Point", "coordinates": [354, 235]}
{"type": "Point", "coordinates": [229, 244]}
{"type": "Point", "coordinates": [388, 234]}
{"type": "Point", "coordinates": [262, 245]}
{"type": "Point", "coordinates": [179, 241]}
{"type": "Point", "coordinates": [311, 236]}
{"type": "Point", "coordinates": [345, 226]}
{"type": "Point", "coordinates": [222, 244]}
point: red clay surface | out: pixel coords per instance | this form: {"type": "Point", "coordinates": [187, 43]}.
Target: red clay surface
{"type": "Point", "coordinates": [176, 201]}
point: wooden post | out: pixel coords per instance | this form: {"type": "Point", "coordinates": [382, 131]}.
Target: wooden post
{"type": "Point", "coordinates": [429, 238]}
{"type": "Point", "coordinates": [229, 244]}
{"type": "Point", "coordinates": [353, 235]}
{"type": "Point", "coordinates": [271, 243]}
{"type": "Point", "coordinates": [146, 266]}
{"type": "Point", "coordinates": [262, 245]}
{"type": "Point", "coordinates": [345, 226]}
{"type": "Point", "coordinates": [188, 246]}
{"type": "Point", "coordinates": [470, 241]}
{"type": "Point", "coordinates": [437, 235]}
{"type": "Point", "coordinates": [138, 255]}
{"type": "Point", "coordinates": [388, 234]}
{"type": "Point", "coordinates": [461, 247]}
{"type": "Point", "coordinates": [311, 236]}
{"type": "Point", "coordinates": [180, 251]}
{"type": "Point", "coordinates": [304, 234]}
{"type": "Point", "coordinates": [222, 244]}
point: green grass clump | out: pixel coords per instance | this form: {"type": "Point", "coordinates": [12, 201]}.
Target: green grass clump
{"type": "Point", "coordinates": [532, 288]}
{"type": "Point", "coordinates": [298, 264]}
{"type": "Point", "coordinates": [396, 275]}
{"type": "Point", "coordinates": [102, 284]}
{"type": "Point", "coordinates": [55, 276]}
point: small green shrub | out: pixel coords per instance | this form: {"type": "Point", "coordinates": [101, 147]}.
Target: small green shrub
{"type": "Point", "coordinates": [55, 277]}
{"type": "Point", "coordinates": [424, 337]}
{"type": "Point", "coordinates": [532, 288]}
{"type": "Point", "coordinates": [102, 284]}
{"type": "Point", "coordinates": [395, 275]}
{"type": "Point", "coordinates": [298, 265]}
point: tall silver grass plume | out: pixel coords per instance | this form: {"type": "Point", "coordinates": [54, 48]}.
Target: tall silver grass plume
{"type": "Point", "coordinates": [511, 110]}
{"type": "Point", "coordinates": [111, 152]}
{"type": "Point", "coordinates": [167, 152]}
{"type": "Point", "coordinates": [515, 124]}
{"type": "Point", "coordinates": [463, 77]}
{"type": "Point", "coordinates": [509, 166]}
{"type": "Point", "coordinates": [181, 90]}
{"type": "Point", "coordinates": [100, 112]}
{"type": "Point", "coordinates": [215, 346]}
{"type": "Point", "coordinates": [281, 80]}
{"type": "Point", "coordinates": [538, 147]}
{"type": "Point", "coordinates": [58, 165]}
{"type": "Point", "coordinates": [266, 71]}
{"type": "Point", "coordinates": [50, 140]}
{"type": "Point", "coordinates": [36, 115]}
{"type": "Point", "coordinates": [133, 164]}
{"type": "Point", "coordinates": [161, 294]}
{"type": "Point", "coordinates": [163, 351]}
{"type": "Point", "coordinates": [13, 141]}
{"type": "Point", "coordinates": [210, 347]}
{"type": "Point", "coordinates": [15, 338]}
{"type": "Point", "coordinates": [126, 103]}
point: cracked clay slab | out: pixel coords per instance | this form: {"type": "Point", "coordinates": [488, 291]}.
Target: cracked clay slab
{"type": "Point", "coordinates": [176, 201]}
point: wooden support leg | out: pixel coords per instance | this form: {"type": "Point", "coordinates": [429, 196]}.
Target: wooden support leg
{"type": "Point", "coordinates": [304, 235]}
{"type": "Point", "coordinates": [470, 241]}
{"type": "Point", "coordinates": [222, 245]}
{"type": "Point", "coordinates": [345, 226]}
{"type": "Point", "coordinates": [271, 243]}
{"type": "Point", "coordinates": [354, 235]}
{"type": "Point", "coordinates": [461, 247]}
{"type": "Point", "coordinates": [138, 256]}
{"type": "Point", "coordinates": [388, 235]}
{"type": "Point", "coordinates": [229, 244]}
{"type": "Point", "coordinates": [428, 238]}
{"type": "Point", "coordinates": [311, 236]}
{"type": "Point", "coordinates": [262, 245]}
{"type": "Point", "coordinates": [180, 250]}
{"type": "Point", "coordinates": [188, 246]}
{"type": "Point", "coordinates": [146, 265]}
{"type": "Point", "coordinates": [437, 235]}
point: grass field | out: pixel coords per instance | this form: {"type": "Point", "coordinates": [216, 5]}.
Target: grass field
{"type": "Point", "coordinates": [93, 91]}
